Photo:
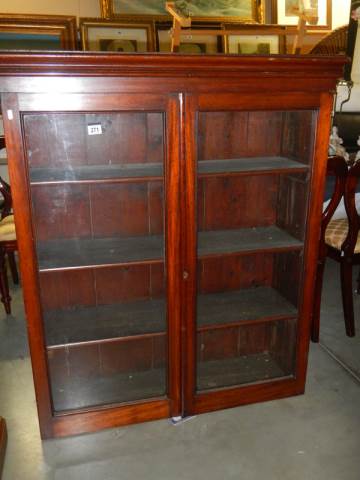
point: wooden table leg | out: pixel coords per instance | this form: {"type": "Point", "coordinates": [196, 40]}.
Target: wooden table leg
{"type": "Point", "coordinates": [3, 441]}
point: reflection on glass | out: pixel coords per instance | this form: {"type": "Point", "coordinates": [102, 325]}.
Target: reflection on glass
{"type": "Point", "coordinates": [97, 196]}
{"type": "Point", "coordinates": [252, 194]}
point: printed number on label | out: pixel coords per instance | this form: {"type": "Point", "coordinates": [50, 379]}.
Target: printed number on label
{"type": "Point", "coordinates": [94, 129]}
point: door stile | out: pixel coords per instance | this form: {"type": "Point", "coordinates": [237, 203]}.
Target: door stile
{"type": "Point", "coordinates": [173, 265]}
{"type": "Point", "coordinates": [189, 236]}
{"type": "Point", "coordinates": [73, 422]}
{"type": "Point", "coordinates": [315, 204]}
{"type": "Point", "coordinates": [25, 238]}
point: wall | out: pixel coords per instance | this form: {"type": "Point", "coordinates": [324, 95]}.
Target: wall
{"type": "Point", "coordinates": [91, 8]}
{"type": "Point", "coordinates": [340, 12]}
{"type": "Point", "coordinates": [79, 8]}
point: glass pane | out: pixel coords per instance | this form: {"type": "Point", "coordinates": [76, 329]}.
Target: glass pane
{"type": "Point", "coordinates": [97, 194]}
{"type": "Point", "coordinates": [245, 354]}
{"type": "Point", "coordinates": [252, 195]}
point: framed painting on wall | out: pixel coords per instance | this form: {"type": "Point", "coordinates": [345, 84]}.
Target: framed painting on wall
{"type": "Point", "coordinates": [37, 32]}
{"type": "Point", "coordinates": [230, 10]}
{"type": "Point", "coordinates": [284, 12]}
{"type": "Point", "coordinates": [111, 36]}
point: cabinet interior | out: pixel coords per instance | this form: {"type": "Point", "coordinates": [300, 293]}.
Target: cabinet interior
{"type": "Point", "coordinates": [99, 204]}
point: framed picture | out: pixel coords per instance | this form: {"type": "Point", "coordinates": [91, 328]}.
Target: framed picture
{"type": "Point", "coordinates": [230, 10]}
{"type": "Point", "coordinates": [37, 32]}
{"type": "Point", "coordinates": [201, 44]}
{"type": "Point", "coordinates": [284, 12]}
{"type": "Point", "coordinates": [111, 36]}
{"type": "Point", "coordinates": [255, 39]}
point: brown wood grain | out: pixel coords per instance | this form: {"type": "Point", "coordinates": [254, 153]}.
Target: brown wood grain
{"type": "Point", "coordinates": [83, 64]}
{"type": "Point", "coordinates": [173, 110]}
{"type": "Point", "coordinates": [234, 272]}
{"type": "Point", "coordinates": [228, 202]}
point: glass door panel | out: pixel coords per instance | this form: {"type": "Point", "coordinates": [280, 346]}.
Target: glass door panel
{"type": "Point", "coordinates": [253, 171]}
{"type": "Point", "coordinates": [97, 192]}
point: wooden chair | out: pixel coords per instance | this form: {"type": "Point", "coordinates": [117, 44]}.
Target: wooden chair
{"type": "Point", "coordinates": [335, 43]}
{"type": "Point", "coordinates": [8, 245]}
{"type": "Point", "coordinates": [339, 240]}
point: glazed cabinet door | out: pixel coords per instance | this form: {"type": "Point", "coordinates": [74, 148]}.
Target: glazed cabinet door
{"type": "Point", "coordinates": [101, 176]}
{"type": "Point", "coordinates": [248, 177]}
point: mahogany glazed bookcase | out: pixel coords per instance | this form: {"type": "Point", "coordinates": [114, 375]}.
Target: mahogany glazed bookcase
{"type": "Point", "coordinates": [167, 210]}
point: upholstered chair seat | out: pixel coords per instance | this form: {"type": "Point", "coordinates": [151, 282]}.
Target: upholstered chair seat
{"type": "Point", "coordinates": [7, 229]}
{"type": "Point", "coordinates": [336, 233]}
{"type": "Point", "coordinates": [8, 245]}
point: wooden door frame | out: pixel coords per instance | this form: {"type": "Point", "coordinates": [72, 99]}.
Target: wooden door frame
{"type": "Point", "coordinates": [93, 419]}
{"type": "Point", "coordinates": [278, 388]}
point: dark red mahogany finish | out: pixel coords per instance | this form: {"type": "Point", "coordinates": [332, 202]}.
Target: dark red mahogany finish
{"type": "Point", "coordinates": [243, 142]}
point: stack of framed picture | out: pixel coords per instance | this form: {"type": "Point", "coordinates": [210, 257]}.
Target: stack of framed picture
{"type": "Point", "coordinates": [135, 36]}
{"type": "Point", "coordinates": [138, 26]}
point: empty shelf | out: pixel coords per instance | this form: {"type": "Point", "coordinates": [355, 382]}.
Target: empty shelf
{"type": "Point", "coordinates": [251, 165]}
{"type": "Point", "coordinates": [87, 253]}
{"type": "Point", "coordinates": [62, 254]}
{"type": "Point", "coordinates": [75, 391]}
{"type": "Point", "coordinates": [243, 240]}
{"type": "Point", "coordinates": [98, 323]}
{"type": "Point", "coordinates": [241, 306]}
{"type": "Point", "coordinates": [83, 173]}
{"type": "Point", "coordinates": [95, 172]}
{"type": "Point", "coordinates": [238, 371]}
{"type": "Point", "coordinates": [87, 324]}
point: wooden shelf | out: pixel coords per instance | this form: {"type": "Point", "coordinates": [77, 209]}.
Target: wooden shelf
{"type": "Point", "coordinates": [237, 371]}
{"type": "Point", "coordinates": [96, 173]}
{"type": "Point", "coordinates": [77, 392]}
{"type": "Point", "coordinates": [250, 165]}
{"type": "Point", "coordinates": [217, 310]}
{"type": "Point", "coordinates": [225, 242]}
{"type": "Point", "coordinates": [88, 324]}
{"type": "Point", "coordinates": [148, 317]}
{"type": "Point", "coordinates": [152, 171]}
{"type": "Point", "coordinates": [88, 253]}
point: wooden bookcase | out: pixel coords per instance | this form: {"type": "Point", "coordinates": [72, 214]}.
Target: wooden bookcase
{"type": "Point", "coordinates": [167, 210]}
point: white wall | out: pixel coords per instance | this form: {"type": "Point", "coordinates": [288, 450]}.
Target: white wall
{"type": "Point", "coordinates": [79, 8]}
{"type": "Point", "coordinates": [340, 12]}
{"type": "Point", "coordinates": [91, 8]}
{"type": "Point", "coordinates": [354, 103]}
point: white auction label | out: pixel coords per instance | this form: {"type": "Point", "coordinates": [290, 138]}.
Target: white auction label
{"type": "Point", "coordinates": [94, 129]}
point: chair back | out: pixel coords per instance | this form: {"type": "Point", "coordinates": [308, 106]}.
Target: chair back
{"type": "Point", "coordinates": [336, 167]}
{"type": "Point", "coordinates": [334, 43]}
{"type": "Point", "coordinates": [5, 191]}
{"type": "Point", "coordinates": [352, 213]}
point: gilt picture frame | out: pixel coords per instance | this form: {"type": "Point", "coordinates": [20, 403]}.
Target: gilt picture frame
{"type": "Point", "coordinates": [117, 36]}
{"type": "Point", "coordinates": [199, 10]}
